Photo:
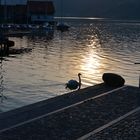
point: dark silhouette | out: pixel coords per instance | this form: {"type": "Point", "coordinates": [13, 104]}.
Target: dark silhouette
{"type": "Point", "coordinates": [113, 79]}
{"type": "Point", "coordinates": [73, 84]}
{"type": "Point", "coordinates": [5, 45]}
{"type": "Point", "coordinates": [62, 27]}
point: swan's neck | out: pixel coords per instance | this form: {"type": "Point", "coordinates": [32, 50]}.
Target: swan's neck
{"type": "Point", "coordinates": [79, 81]}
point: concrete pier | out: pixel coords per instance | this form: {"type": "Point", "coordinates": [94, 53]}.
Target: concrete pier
{"type": "Point", "coordinates": [98, 112]}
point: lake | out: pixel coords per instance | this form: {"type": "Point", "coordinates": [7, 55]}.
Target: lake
{"type": "Point", "coordinates": [91, 47]}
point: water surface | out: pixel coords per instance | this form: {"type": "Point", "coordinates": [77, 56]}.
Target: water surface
{"type": "Point", "coordinates": [90, 47]}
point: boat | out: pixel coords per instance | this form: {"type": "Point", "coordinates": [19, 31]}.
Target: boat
{"type": "Point", "coordinates": [5, 45]}
{"type": "Point", "coordinates": [62, 27]}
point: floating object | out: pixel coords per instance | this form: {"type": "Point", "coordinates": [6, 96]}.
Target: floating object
{"type": "Point", "coordinates": [5, 41]}
{"type": "Point", "coordinates": [73, 84]}
{"type": "Point", "coordinates": [112, 79]}
{"type": "Point", "coordinates": [62, 27]}
{"type": "Point", "coordinates": [5, 44]}
{"type": "Point", "coordinates": [137, 63]}
{"type": "Point", "coordinates": [10, 43]}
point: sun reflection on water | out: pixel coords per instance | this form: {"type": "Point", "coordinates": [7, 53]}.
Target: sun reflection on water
{"type": "Point", "coordinates": [92, 64]}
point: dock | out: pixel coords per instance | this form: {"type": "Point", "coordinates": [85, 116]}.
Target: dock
{"type": "Point", "coordinates": [5, 44]}
{"type": "Point", "coordinates": [98, 112]}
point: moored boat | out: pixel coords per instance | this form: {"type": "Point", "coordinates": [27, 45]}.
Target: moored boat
{"type": "Point", "coordinates": [62, 27]}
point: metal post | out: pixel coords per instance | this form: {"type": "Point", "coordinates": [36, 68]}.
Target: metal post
{"type": "Point", "coordinates": [139, 75]}
{"type": "Point", "coordinates": [139, 81]}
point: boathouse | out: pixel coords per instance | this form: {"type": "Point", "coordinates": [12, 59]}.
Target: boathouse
{"type": "Point", "coordinates": [26, 11]}
{"type": "Point", "coordinates": [40, 11]}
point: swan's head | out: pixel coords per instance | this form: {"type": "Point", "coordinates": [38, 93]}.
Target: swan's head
{"type": "Point", "coordinates": [79, 74]}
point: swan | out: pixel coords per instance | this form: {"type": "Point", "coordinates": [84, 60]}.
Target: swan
{"type": "Point", "coordinates": [73, 84]}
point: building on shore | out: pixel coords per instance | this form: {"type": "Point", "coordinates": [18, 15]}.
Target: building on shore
{"type": "Point", "coordinates": [26, 11]}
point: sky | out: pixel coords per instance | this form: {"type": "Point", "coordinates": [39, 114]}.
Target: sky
{"type": "Point", "coordinates": [11, 2]}
{"type": "Point", "coordinates": [99, 8]}
{"type": "Point", "coordinates": [93, 8]}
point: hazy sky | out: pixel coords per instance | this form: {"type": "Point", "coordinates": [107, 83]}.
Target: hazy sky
{"type": "Point", "coordinates": [101, 8]}
{"type": "Point", "coordinates": [13, 1]}
{"type": "Point", "coordinates": [93, 8]}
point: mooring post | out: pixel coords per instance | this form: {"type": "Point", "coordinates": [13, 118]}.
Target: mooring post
{"type": "Point", "coordinates": [139, 75]}
{"type": "Point", "coordinates": [139, 81]}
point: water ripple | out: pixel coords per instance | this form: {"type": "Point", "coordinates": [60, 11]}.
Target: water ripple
{"type": "Point", "coordinates": [89, 48]}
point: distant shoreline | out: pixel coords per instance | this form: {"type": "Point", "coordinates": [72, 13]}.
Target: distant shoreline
{"type": "Point", "coordinates": [99, 19]}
